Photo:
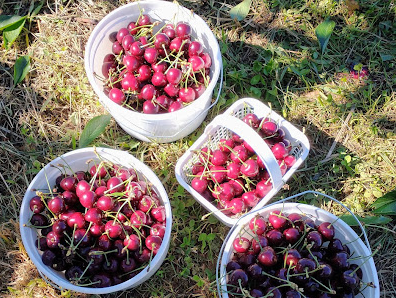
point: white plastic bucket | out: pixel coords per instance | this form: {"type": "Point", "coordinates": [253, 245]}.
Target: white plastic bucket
{"type": "Point", "coordinates": [158, 128]}
{"type": "Point", "coordinates": [222, 127]}
{"type": "Point", "coordinates": [77, 161]}
{"type": "Point", "coordinates": [342, 231]}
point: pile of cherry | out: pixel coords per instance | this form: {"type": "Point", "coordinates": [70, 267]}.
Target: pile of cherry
{"type": "Point", "coordinates": [100, 227]}
{"type": "Point", "coordinates": [290, 256]}
{"type": "Point", "coordinates": [155, 72]}
{"type": "Point", "coordinates": [233, 176]}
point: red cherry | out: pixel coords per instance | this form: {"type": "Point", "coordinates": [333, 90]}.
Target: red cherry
{"type": "Point", "coordinates": [267, 256]}
{"type": "Point", "coordinates": [121, 33]}
{"type": "Point", "coordinates": [258, 225]}
{"type": "Point", "coordinates": [174, 76]}
{"type": "Point", "coordinates": [76, 219]}
{"type": "Point", "coordinates": [132, 242]}
{"type": "Point", "coordinates": [241, 244]}
{"type": "Point", "coordinates": [277, 219]}
{"type": "Point", "coordinates": [161, 40]}
{"type": "Point", "coordinates": [159, 79]}
{"type": "Point", "coordinates": [171, 90]}
{"type": "Point", "coordinates": [94, 215]}
{"type": "Point", "coordinates": [130, 82]}
{"type": "Point", "coordinates": [250, 199]}
{"type": "Point", "coordinates": [153, 243]}
{"type": "Point", "coordinates": [158, 213]}
{"type": "Point", "coordinates": [263, 188]}
{"type": "Point", "coordinates": [144, 73]}
{"type": "Point", "coordinates": [150, 55]}
{"type": "Point", "coordinates": [195, 48]}
{"type": "Point", "coordinates": [250, 168]}
{"type": "Point", "coordinates": [279, 150]}
{"type": "Point", "coordinates": [183, 29]}
{"type": "Point", "coordinates": [197, 63]}
{"type": "Point", "coordinates": [187, 94]}
{"type": "Point", "coordinates": [113, 228]}
{"type": "Point", "coordinates": [127, 41]}
{"type": "Point", "coordinates": [87, 199]}
{"type": "Point", "coordinates": [117, 96]}
{"type": "Point", "coordinates": [207, 60]}
{"type": "Point", "coordinates": [148, 92]}
{"type": "Point", "coordinates": [136, 49]}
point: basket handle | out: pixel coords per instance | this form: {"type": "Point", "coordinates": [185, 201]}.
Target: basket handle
{"type": "Point", "coordinates": [254, 140]}
{"type": "Point", "coordinates": [277, 202]}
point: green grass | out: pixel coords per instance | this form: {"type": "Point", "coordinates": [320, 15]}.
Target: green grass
{"type": "Point", "coordinates": [274, 55]}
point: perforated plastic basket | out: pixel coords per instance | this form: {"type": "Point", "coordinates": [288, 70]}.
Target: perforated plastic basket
{"type": "Point", "coordinates": [77, 161]}
{"type": "Point", "coordinates": [159, 128]}
{"type": "Point", "coordinates": [342, 231]}
{"type": "Point", "coordinates": [230, 122]}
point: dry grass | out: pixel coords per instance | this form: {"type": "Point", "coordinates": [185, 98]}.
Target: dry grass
{"type": "Point", "coordinates": [40, 118]}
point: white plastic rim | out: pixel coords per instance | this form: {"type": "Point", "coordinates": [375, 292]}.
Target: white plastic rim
{"type": "Point", "coordinates": [77, 161]}
{"type": "Point", "coordinates": [342, 231]}
{"type": "Point", "coordinates": [160, 128]}
{"type": "Point", "coordinates": [221, 127]}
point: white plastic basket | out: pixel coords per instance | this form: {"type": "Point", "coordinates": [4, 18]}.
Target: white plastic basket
{"type": "Point", "coordinates": [222, 127]}
{"type": "Point", "coordinates": [159, 128]}
{"type": "Point", "coordinates": [342, 231]}
{"type": "Point", "coordinates": [77, 161]}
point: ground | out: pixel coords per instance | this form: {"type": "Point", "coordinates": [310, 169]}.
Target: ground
{"type": "Point", "coordinates": [273, 54]}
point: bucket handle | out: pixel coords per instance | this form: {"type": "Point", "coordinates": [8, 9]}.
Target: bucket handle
{"type": "Point", "coordinates": [49, 281]}
{"type": "Point", "coordinates": [277, 202]}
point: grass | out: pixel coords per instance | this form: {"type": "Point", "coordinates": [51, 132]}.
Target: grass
{"type": "Point", "coordinates": [273, 54]}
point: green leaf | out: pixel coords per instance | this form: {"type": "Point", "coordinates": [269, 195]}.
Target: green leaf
{"type": "Point", "coordinates": [7, 20]}
{"type": "Point", "coordinates": [323, 33]}
{"type": "Point", "coordinates": [388, 209]}
{"type": "Point", "coordinates": [93, 129]}
{"type": "Point", "coordinates": [386, 57]}
{"type": "Point", "coordinates": [21, 69]}
{"type": "Point", "coordinates": [241, 10]}
{"type": "Point", "coordinates": [256, 79]}
{"type": "Point", "coordinates": [12, 32]}
{"type": "Point", "coordinates": [211, 237]}
{"type": "Point", "coordinates": [385, 199]}
{"type": "Point", "coordinates": [374, 220]}
{"type": "Point", "coordinates": [202, 237]}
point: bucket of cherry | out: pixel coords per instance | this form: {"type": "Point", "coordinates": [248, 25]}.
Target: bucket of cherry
{"type": "Point", "coordinates": [242, 160]}
{"type": "Point", "coordinates": [154, 66]}
{"type": "Point", "coordinates": [296, 250]}
{"type": "Point", "coordinates": [96, 221]}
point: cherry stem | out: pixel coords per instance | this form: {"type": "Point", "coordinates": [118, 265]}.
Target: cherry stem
{"type": "Point", "coordinates": [85, 270]}
{"type": "Point", "coordinates": [366, 259]}
{"type": "Point", "coordinates": [210, 213]}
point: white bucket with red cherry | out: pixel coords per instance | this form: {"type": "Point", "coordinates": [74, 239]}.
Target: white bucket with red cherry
{"type": "Point", "coordinates": [154, 66]}
{"type": "Point", "coordinates": [290, 249]}
{"type": "Point", "coordinates": [79, 229]}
